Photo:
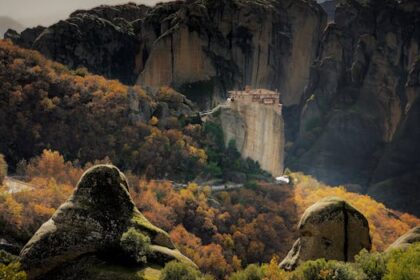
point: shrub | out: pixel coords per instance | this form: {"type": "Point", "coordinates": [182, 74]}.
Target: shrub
{"type": "Point", "coordinates": [372, 264]}
{"type": "Point", "coordinates": [272, 271]}
{"type": "Point", "coordinates": [154, 121]}
{"type": "Point", "coordinates": [214, 170]}
{"type": "Point", "coordinates": [167, 94]}
{"type": "Point", "coordinates": [6, 258]}
{"type": "Point", "coordinates": [404, 264]}
{"type": "Point", "coordinates": [226, 159]}
{"type": "Point", "coordinates": [81, 71]}
{"type": "Point", "coordinates": [10, 268]}
{"type": "Point", "coordinates": [328, 270]}
{"type": "Point", "coordinates": [178, 271]}
{"type": "Point", "coordinates": [215, 133]}
{"type": "Point", "coordinates": [12, 271]}
{"type": "Point", "coordinates": [252, 272]}
{"type": "Point", "coordinates": [136, 245]}
{"type": "Point", "coordinates": [251, 184]}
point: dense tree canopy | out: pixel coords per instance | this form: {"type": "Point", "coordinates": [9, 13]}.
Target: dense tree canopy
{"type": "Point", "coordinates": [153, 132]}
{"type": "Point", "coordinates": [86, 117]}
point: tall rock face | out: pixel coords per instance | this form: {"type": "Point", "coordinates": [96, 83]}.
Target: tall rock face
{"type": "Point", "coordinates": [103, 39]}
{"type": "Point", "coordinates": [395, 179]}
{"type": "Point", "coordinates": [218, 45]}
{"type": "Point", "coordinates": [359, 111]}
{"type": "Point", "coordinates": [258, 132]}
{"type": "Point", "coordinates": [98, 233]}
{"type": "Point", "coordinates": [331, 229]}
{"type": "Point", "coordinates": [202, 48]}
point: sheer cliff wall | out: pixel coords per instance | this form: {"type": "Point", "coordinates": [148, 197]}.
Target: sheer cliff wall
{"type": "Point", "coordinates": [258, 132]}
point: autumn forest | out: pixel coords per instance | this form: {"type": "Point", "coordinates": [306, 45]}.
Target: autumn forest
{"type": "Point", "coordinates": [125, 155]}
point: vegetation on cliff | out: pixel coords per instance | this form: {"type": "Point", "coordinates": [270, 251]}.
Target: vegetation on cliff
{"type": "Point", "coordinates": [10, 268]}
{"type": "Point", "coordinates": [226, 162]}
{"type": "Point", "coordinates": [87, 117]}
{"type": "Point", "coordinates": [155, 133]}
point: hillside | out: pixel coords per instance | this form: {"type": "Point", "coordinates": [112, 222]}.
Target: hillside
{"type": "Point", "coordinates": [221, 232]}
{"type": "Point", "coordinates": [87, 118]}
{"type": "Point", "coordinates": [152, 132]}
{"type": "Point", "coordinates": [350, 104]}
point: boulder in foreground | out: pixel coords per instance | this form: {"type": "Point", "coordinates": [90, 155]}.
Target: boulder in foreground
{"type": "Point", "coordinates": [98, 233]}
{"type": "Point", "coordinates": [331, 229]}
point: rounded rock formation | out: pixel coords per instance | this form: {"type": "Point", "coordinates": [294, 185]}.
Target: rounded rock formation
{"type": "Point", "coordinates": [96, 231]}
{"type": "Point", "coordinates": [330, 229]}
{"type": "Point", "coordinates": [406, 240]}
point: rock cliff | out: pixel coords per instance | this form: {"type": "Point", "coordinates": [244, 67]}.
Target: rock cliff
{"type": "Point", "coordinates": [201, 48]}
{"type": "Point", "coordinates": [219, 45]}
{"type": "Point", "coordinates": [329, 7]}
{"type": "Point", "coordinates": [258, 132]}
{"type": "Point", "coordinates": [103, 40]}
{"type": "Point", "coordinates": [350, 90]}
{"type": "Point", "coordinates": [330, 229]}
{"type": "Point", "coordinates": [98, 233]}
{"type": "Point", "coordinates": [359, 111]}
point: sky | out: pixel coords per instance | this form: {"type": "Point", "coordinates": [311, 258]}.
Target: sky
{"type": "Point", "coordinates": [46, 12]}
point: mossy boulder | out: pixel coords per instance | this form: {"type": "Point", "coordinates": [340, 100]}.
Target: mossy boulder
{"type": "Point", "coordinates": [99, 226]}
{"type": "Point", "coordinates": [331, 229]}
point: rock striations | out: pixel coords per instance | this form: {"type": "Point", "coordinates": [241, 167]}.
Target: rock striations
{"type": "Point", "coordinates": [330, 229]}
{"type": "Point", "coordinates": [98, 233]}
{"type": "Point", "coordinates": [258, 132]}
{"type": "Point", "coordinates": [201, 48]}
{"type": "Point", "coordinates": [359, 114]}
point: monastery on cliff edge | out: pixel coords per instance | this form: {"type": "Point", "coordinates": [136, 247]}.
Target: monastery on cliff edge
{"type": "Point", "coordinates": [261, 96]}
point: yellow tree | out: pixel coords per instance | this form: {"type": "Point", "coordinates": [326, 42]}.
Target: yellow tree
{"type": "Point", "coordinates": [3, 168]}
